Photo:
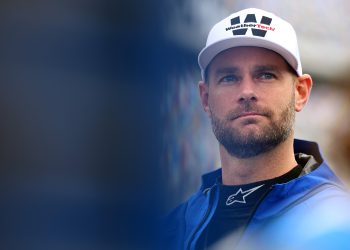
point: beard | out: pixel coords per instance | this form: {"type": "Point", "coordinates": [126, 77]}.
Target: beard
{"type": "Point", "coordinates": [252, 143]}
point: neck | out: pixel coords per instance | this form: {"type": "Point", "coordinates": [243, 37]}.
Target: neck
{"type": "Point", "coordinates": [274, 163]}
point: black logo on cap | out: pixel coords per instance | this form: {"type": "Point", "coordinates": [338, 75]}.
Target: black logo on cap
{"type": "Point", "coordinates": [258, 29]}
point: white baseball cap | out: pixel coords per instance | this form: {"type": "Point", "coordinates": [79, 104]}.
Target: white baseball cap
{"type": "Point", "coordinates": [252, 27]}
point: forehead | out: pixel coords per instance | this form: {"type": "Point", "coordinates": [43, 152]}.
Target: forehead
{"type": "Point", "coordinates": [247, 56]}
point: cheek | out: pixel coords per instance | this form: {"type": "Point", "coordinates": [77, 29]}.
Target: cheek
{"type": "Point", "coordinates": [280, 101]}
{"type": "Point", "coordinates": [285, 96]}
{"type": "Point", "coordinates": [220, 103]}
{"type": "Point", "coordinates": [288, 104]}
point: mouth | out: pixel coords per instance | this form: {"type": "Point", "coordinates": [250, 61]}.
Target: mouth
{"type": "Point", "coordinates": [248, 115]}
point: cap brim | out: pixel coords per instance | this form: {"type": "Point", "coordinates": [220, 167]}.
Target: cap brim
{"type": "Point", "coordinates": [207, 54]}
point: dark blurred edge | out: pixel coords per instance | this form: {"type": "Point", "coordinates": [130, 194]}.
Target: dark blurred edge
{"type": "Point", "coordinates": [81, 89]}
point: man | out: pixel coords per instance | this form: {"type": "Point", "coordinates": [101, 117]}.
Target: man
{"type": "Point", "coordinates": [272, 192]}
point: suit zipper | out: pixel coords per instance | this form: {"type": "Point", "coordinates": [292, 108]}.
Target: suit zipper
{"type": "Point", "coordinates": [253, 213]}
{"type": "Point", "coordinates": [207, 212]}
{"type": "Point", "coordinates": [258, 204]}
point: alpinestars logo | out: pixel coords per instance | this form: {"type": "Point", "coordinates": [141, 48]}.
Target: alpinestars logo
{"type": "Point", "coordinates": [240, 195]}
{"type": "Point", "coordinates": [258, 29]}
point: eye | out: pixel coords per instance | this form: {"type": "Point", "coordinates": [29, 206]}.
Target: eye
{"type": "Point", "coordinates": [229, 79]}
{"type": "Point", "coordinates": [266, 76]}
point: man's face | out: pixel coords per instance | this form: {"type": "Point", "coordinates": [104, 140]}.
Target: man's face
{"type": "Point", "coordinates": [251, 100]}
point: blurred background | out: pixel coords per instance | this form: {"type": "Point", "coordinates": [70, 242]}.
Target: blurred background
{"type": "Point", "coordinates": [101, 126]}
{"type": "Point", "coordinates": [80, 97]}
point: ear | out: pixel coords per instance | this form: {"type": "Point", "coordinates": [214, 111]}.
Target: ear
{"type": "Point", "coordinates": [204, 95]}
{"type": "Point", "coordinates": [302, 91]}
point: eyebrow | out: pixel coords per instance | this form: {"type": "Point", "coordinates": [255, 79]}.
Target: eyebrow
{"type": "Point", "coordinates": [256, 68]}
{"type": "Point", "coordinates": [266, 67]}
{"type": "Point", "coordinates": [226, 70]}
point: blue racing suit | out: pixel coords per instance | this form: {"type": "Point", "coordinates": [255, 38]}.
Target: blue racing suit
{"type": "Point", "coordinates": [309, 212]}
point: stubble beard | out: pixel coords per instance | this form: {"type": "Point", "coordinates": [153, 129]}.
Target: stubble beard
{"type": "Point", "coordinates": [252, 143]}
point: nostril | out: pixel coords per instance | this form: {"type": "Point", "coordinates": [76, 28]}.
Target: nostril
{"type": "Point", "coordinates": [253, 98]}
{"type": "Point", "coordinates": [241, 99]}
{"type": "Point", "coordinates": [245, 98]}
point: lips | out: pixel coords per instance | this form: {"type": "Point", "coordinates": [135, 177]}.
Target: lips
{"type": "Point", "coordinates": [248, 110]}
{"type": "Point", "coordinates": [247, 114]}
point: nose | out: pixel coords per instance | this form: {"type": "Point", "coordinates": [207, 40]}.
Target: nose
{"type": "Point", "coordinates": [247, 91]}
